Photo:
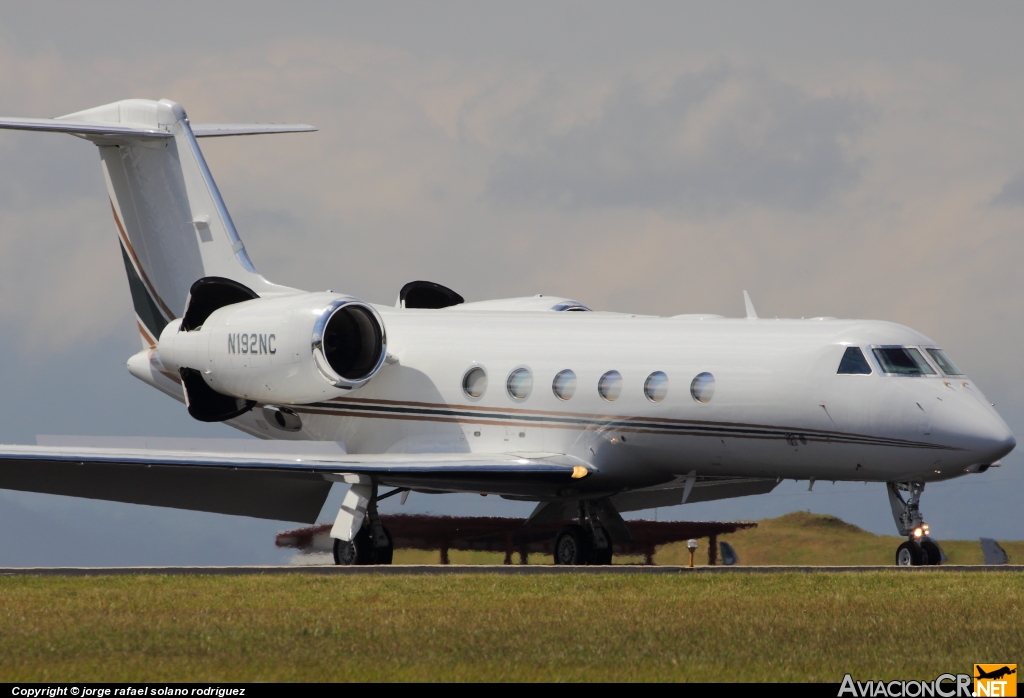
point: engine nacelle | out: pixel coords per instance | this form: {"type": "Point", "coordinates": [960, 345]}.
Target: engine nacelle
{"type": "Point", "coordinates": [290, 350]}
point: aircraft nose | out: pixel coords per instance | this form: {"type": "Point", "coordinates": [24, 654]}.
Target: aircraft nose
{"type": "Point", "coordinates": [972, 425]}
{"type": "Point", "coordinates": [994, 439]}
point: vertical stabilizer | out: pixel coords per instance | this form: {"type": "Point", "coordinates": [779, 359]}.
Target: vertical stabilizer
{"type": "Point", "coordinates": [171, 221]}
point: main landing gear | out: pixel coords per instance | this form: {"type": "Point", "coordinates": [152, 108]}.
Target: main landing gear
{"type": "Point", "coordinates": [588, 542]}
{"type": "Point", "coordinates": [919, 549]}
{"type": "Point", "coordinates": [362, 551]}
{"type": "Point", "coordinates": [370, 543]}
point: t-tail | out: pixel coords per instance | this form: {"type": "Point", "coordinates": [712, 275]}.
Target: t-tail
{"type": "Point", "coordinates": [170, 218]}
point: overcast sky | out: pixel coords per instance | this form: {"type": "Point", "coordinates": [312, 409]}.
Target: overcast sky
{"type": "Point", "coordinates": [857, 160]}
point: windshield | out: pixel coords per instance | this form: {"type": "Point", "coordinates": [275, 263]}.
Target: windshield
{"type": "Point", "coordinates": [854, 363]}
{"type": "Point", "coordinates": [947, 366]}
{"type": "Point", "coordinates": [903, 361]}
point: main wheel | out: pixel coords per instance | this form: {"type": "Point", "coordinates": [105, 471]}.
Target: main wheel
{"type": "Point", "coordinates": [358, 551]}
{"type": "Point", "coordinates": [383, 556]}
{"type": "Point", "coordinates": [909, 554]}
{"type": "Point", "coordinates": [602, 556]}
{"type": "Point", "coordinates": [932, 551]}
{"type": "Point", "coordinates": [572, 546]}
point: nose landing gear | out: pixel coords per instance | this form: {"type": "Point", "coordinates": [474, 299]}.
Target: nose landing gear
{"type": "Point", "coordinates": [919, 549]}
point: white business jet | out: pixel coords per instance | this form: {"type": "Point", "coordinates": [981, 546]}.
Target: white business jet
{"type": "Point", "coordinates": [589, 414]}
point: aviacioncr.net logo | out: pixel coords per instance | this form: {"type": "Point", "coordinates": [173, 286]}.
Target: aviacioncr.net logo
{"type": "Point", "coordinates": [995, 680]}
{"type": "Point", "coordinates": [944, 686]}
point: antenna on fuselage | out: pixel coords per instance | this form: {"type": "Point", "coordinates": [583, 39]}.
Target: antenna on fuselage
{"type": "Point", "coordinates": [751, 313]}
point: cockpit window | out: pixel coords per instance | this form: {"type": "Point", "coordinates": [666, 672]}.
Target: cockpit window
{"type": "Point", "coordinates": [947, 366]}
{"type": "Point", "coordinates": [903, 361]}
{"type": "Point", "coordinates": [854, 362]}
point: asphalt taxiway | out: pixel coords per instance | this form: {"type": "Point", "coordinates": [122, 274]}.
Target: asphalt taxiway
{"type": "Point", "coordinates": [481, 569]}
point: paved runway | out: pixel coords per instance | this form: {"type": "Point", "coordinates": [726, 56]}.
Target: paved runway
{"type": "Point", "coordinates": [480, 569]}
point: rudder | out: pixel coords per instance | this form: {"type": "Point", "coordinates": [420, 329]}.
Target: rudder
{"type": "Point", "coordinates": [171, 221]}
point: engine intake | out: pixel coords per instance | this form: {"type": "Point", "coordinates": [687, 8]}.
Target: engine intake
{"type": "Point", "coordinates": [348, 343]}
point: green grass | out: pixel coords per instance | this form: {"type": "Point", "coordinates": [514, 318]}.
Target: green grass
{"type": "Point", "coordinates": [739, 627]}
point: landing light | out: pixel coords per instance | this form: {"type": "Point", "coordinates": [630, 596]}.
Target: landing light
{"type": "Point", "coordinates": [918, 532]}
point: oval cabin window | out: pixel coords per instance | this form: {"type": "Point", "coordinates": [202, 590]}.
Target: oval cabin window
{"type": "Point", "coordinates": [520, 383]}
{"type": "Point", "coordinates": [610, 386]}
{"type": "Point", "coordinates": [564, 385]}
{"type": "Point", "coordinates": [703, 387]}
{"type": "Point", "coordinates": [474, 383]}
{"type": "Point", "coordinates": [656, 386]}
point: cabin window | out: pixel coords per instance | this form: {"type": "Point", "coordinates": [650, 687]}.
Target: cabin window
{"type": "Point", "coordinates": [474, 383]}
{"type": "Point", "coordinates": [519, 383]}
{"type": "Point", "coordinates": [947, 366]}
{"type": "Point", "coordinates": [702, 388]}
{"type": "Point", "coordinates": [656, 386]}
{"type": "Point", "coordinates": [903, 361]}
{"type": "Point", "coordinates": [610, 386]}
{"type": "Point", "coordinates": [854, 362]}
{"type": "Point", "coordinates": [564, 385]}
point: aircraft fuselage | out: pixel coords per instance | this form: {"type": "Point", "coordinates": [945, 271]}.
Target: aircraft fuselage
{"type": "Point", "coordinates": [779, 408]}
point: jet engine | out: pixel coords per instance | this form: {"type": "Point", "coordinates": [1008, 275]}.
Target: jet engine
{"type": "Point", "coordinates": [233, 348]}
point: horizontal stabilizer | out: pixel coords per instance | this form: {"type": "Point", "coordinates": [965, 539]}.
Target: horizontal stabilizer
{"type": "Point", "coordinates": [214, 130]}
{"type": "Point", "coordinates": [98, 129]}
{"type": "Point", "coordinates": [83, 128]}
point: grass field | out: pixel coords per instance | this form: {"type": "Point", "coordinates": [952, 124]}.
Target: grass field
{"type": "Point", "coordinates": [799, 538]}
{"type": "Point", "coordinates": [786, 626]}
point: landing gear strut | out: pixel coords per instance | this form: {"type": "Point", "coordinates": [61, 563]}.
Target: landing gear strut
{"type": "Point", "coordinates": [919, 549]}
{"type": "Point", "coordinates": [588, 542]}
{"type": "Point", "coordinates": [359, 536]}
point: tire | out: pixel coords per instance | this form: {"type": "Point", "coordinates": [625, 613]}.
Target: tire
{"type": "Point", "coordinates": [599, 556]}
{"type": "Point", "coordinates": [359, 551]}
{"type": "Point", "coordinates": [572, 546]}
{"type": "Point", "coordinates": [384, 556]}
{"type": "Point", "coordinates": [909, 554]}
{"type": "Point", "coordinates": [931, 550]}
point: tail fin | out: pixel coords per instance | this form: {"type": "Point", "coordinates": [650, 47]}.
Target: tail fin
{"type": "Point", "coordinates": [171, 221]}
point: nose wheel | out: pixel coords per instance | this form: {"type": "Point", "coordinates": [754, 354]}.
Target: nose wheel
{"type": "Point", "coordinates": [915, 554]}
{"type": "Point", "coordinates": [906, 512]}
{"type": "Point", "coordinates": [910, 554]}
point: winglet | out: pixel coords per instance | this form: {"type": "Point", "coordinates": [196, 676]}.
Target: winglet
{"type": "Point", "coordinates": [751, 313]}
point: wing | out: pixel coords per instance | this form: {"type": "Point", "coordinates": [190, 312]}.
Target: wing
{"type": "Point", "coordinates": [704, 490]}
{"type": "Point", "coordinates": [286, 487]}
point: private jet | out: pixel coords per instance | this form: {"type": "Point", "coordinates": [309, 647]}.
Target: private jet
{"type": "Point", "coordinates": [588, 414]}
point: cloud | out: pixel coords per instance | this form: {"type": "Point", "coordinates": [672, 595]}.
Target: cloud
{"type": "Point", "coordinates": [716, 139]}
{"type": "Point", "coordinates": [1012, 193]}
